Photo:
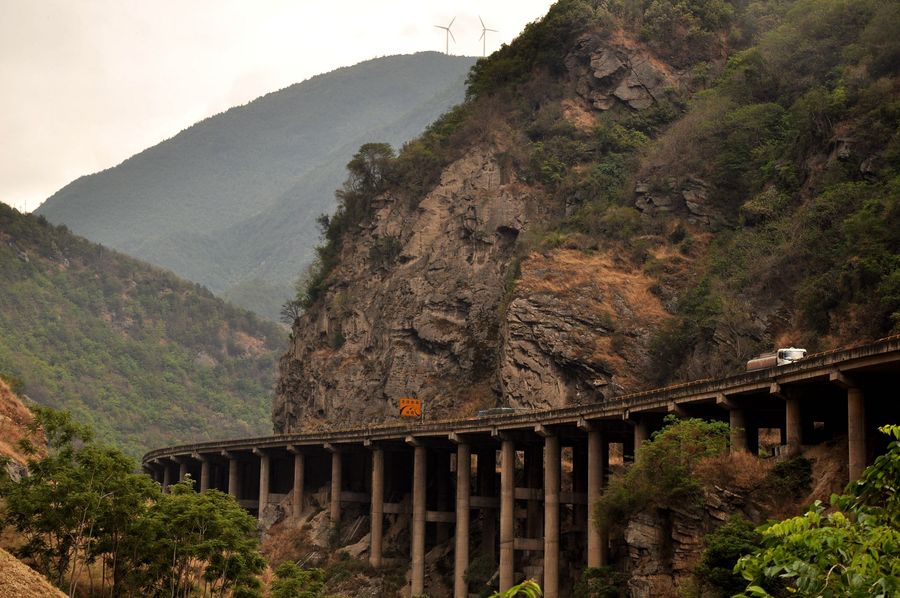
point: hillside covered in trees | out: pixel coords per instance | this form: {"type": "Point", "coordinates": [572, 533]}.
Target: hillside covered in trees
{"type": "Point", "coordinates": [231, 202]}
{"type": "Point", "coordinates": [634, 192]}
{"type": "Point", "coordinates": [144, 357]}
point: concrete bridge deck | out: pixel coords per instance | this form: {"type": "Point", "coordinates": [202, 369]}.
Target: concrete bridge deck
{"type": "Point", "coordinates": [843, 393]}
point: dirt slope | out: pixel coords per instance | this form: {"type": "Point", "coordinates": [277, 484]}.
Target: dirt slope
{"type": "Point", "coordinates": [17, 580]}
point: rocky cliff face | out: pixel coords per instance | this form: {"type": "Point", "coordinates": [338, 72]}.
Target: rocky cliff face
{"type": "Point", "coordinates": [423, 302]}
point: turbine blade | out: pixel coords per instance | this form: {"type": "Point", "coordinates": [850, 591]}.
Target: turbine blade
{"type": "Point", "coordinates": [482, 22]}
{"type": "Point", "coordinates": [451, 35]}
{"type": "Point", "coordinates": [494, 30]}
{"type": "Point", "coordinates": [482, 35]}
{"type": "Point", "coordinates": [451, 23]}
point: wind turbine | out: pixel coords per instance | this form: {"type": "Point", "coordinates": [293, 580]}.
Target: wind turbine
{"type": "Point", "coordinates": [484, 31]}
{"type": "Point", "coordinates": [449, 33]}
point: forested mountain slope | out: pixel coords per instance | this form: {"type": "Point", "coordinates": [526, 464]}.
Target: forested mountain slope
{"type": "Point", "coordinates": [231, 202]}
{"type": "Point", "coordinates": [635, 192]}
{"type": "Point", "coordinates": [144, 357]}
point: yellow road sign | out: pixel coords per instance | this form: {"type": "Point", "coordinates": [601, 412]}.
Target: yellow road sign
{"type": "Point", "coordinates": [410, 407]}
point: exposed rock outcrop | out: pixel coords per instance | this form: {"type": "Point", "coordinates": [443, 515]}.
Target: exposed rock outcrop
{"type": "Point", "coordinates": [441, 317]}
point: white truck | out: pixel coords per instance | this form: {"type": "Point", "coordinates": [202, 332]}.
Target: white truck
{"type": "Point", "coordinates": [779, 357]}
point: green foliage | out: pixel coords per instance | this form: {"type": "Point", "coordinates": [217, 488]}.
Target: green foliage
{"type": "Point", "coordinates": [852, 550]}
{"type": "Point", "coordinates": [293, 582]}
{"type": "Point", "coordinates": [367, 177]}
{"type": "Point", "coordinates": [143, 357]}
{"type": "Point", "coordinates": [673, 342]}
{"type": "Point", "coordinates": [479, 571]}
{"type": "Point", "coordinates": [792, 477]}
{"type": "Point", "coordinates": [724, 546]}
{"type": "Point", "coordinates": [600, 582]}
{"type": "Point", "coordinates": [527, 589]}
{"type": "Point", "coordinates": [662, 474]}
{"type": "Point", "coordinates": [543, 44]}
{"type": "Point", "coordinates": [82, 502]}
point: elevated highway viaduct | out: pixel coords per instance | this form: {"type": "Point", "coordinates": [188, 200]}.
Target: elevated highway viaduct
{"type": "Point", "coordinates": [497, 484]}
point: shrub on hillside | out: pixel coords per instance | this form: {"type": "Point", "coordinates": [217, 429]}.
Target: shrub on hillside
{"type": "Point", "coordinates": [663, 473]}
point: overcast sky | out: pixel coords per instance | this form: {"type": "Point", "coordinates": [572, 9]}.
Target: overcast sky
{"type": "Point", "coordinates": [85, 84]}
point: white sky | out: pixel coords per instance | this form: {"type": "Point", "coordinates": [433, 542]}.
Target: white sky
{"type": "Point", "coordinates": [85, 84]}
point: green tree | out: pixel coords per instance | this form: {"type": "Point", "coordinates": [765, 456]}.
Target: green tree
{"type": "Point", "coordinates": [291, 581]}
{"type": "Point", "coordinates": [77, 503]}
{"type": "Point", "coordinates": [662, 474]}
{"type": "Point", "coordinates": [190, 540]}
{"type": "Point", "coordinates": [83, 502]}
{"type": "Point", "coordinates": [852, 550]}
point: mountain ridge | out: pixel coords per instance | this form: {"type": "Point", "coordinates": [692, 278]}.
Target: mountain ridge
{"type": "Point", "coordinates": [178, 203]}
{"type": "Point", "coordinates": [144, 357]}
{"type": "Point", "coordinates": [629, 197]}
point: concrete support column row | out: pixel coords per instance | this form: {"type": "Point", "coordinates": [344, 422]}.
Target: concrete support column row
{"type": "Point", "coordinates": [377, 507]}
{"type": "Point", "coordinates": [507, 513]}
{"type": "Point", "coordinates": [596, 548]}
{"type": "Point", "coordinates": [737, 422]}
{"type": "Point", "coordinates": [336, 485]}
{"type": "Point", "coordinates": [234, 482]}
{"type": "Point", "coordinates": [264, 469]}
{"type": "Point", "coordinates": [418, 521]}
{"type": "Point", "coordinates": [297, 490]}
{"type": "Point", "coordinates": [204, 474]}
{"type": "Point", "coordinates": [463, 499]}
{"type": "Point", "coordinates": [856, 432]}
{"type": "Point", "coordinates": [641, 434]}
{"type": "Point", "coordinates": [551, 516]}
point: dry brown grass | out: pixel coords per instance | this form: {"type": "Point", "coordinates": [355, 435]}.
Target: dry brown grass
{"type": "Point", "coordinates": [604, 286]}
{"type": "Point", "coordinates": [741, 473]}
{"type": "Point", "coordinates": [14, 417]}
{"type": "Point", "coordinates": [17, 580]}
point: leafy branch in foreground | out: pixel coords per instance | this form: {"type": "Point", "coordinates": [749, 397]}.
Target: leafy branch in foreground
{"type": "Point", "coordinates": [853, 550]}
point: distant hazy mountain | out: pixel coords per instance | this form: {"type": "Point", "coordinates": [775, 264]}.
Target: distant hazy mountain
{"type": "Point", "coordinates": [143, 356]}
{"type": "Point", "coordinates": [231, 202]}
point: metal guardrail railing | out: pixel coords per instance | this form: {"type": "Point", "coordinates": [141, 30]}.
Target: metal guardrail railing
{"type": "Point", "coordinates": [813, 365]}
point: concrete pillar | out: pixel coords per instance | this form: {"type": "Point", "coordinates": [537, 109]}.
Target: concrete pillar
{"type": "Point", "coordinates": [264, 468]}
{"type": "Point", "coordinates": [418, 522]}
{"type": "Point", "coordinates": [856, 432]}
{"type": "Point", "coordinates": [792, 425]}
{"type": "Point", "coordinates": [507, 513]}
{"type": "Point", "coordinates": [204, 474]}
{"type": "Point", "coordinates": [534, 473]}
{"type": "Point", "coordinates": [297, 493]}
{"type": "Point", "coordinates": [487, 474]}
{"type": "Point", "coordinates": [551, 516]}
{"type": "Point", "coordinates": [167, 477]}
{"type": "Point", "coordinates": [182, 470]}
{"type": "Point", "coordinates": [463, 491]}
{"type": "Point", "coordinates": [737, 422]}
{"type": "Point", "coordinates": [641, 434]}
{"type": "Point", "coordinates": [234, 475]}
{"type": "Point", "coordinates": [377, 513]}
{"type": "Point", "coordinates": [596, 551]}
{"type": "Point", "coordinates": [336, 486]}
